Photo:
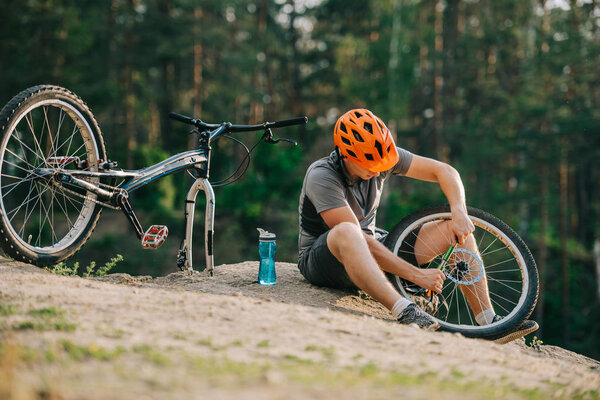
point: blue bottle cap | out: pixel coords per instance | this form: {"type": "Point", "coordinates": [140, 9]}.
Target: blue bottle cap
{"type": "Point", "coordinates": [267, 236]}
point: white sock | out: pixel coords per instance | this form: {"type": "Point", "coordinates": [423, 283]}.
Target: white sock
{"type": "Point", "coordinates": [485, 317]}
{"type": "Point", "coordinates": [399, 306]}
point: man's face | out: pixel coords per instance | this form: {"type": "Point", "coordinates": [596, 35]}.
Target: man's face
{"type": "Point", "coordinates": [356, 171]}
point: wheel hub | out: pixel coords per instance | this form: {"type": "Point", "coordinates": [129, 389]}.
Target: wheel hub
{"type": "Point", "coordinates": [466, 268]}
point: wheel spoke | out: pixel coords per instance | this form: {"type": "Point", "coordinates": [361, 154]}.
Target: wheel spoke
{"type": "Point", "coordinates": [503, 270]}
{"type": "Point", "coordinates": [15, 211]}
{"type": "Point", "coordinates": [37, 144]}
{"type": "Point", "coordinates": [23, 144]}
{"type": "Point", "coordinates": [504, 284]}
{"type": "Point", "coordinates": [499, 263]}
{"type": "Point", "coordinates": [467, 308]}
{"type": "Point", "coordinates": [493, 251]}
{"type": "Point", "coordinates": [21, 232]}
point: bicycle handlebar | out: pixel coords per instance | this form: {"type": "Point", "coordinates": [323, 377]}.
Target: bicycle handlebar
{"type": "Point", "coordinates": [238, 128]}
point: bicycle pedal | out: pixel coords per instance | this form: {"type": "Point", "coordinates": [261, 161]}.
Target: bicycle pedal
{"type": "Point", "coordinates": [155, 236]}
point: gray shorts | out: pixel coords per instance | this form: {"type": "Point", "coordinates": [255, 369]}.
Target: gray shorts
{"type": "Point", "coordinates": [320, 267]}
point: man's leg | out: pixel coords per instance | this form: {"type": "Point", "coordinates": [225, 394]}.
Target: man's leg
{"type": "Point", "coordinates": [347, 243]}
{"type": "Point", "coordinates": [433, 239]}
{"type": "Point", "coordinates": [341, 258]}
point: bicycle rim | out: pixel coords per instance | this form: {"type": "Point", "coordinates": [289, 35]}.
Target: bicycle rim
{"type": "Point", "coordinates": [505, 270]}
{"type": "Point", "coordinates": [42, 215]}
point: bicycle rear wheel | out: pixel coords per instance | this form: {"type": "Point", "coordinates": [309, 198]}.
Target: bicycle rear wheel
{"type": "Point", "coordinates": [505, 261]}
{"type": "Point", "coordinates": [46, 128]}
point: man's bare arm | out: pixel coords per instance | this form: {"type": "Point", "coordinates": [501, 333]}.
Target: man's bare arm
{"type": "Point", "coordinates": [427, 169]}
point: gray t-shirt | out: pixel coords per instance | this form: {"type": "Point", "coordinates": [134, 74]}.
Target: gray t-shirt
{"type": "Point", "coordinates": [328, 185]}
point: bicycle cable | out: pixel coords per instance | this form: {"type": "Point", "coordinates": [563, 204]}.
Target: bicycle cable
{"type": "Point", "coordinates": [236, 175]}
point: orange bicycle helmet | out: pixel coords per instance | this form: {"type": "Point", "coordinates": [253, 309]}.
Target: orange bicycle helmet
{"type": "Point", "coordinates": [365, 140]}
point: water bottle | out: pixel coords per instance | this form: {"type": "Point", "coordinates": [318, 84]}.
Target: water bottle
{"type": "Point", "coordinates": [266, 251]}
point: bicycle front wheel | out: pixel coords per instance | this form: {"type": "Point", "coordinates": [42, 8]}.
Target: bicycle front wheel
{"type": "Point", "coordinates": [503, 260]}
{"type": "Point", "coordinates": [46, 128]}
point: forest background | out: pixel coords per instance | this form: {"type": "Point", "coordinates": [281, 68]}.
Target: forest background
{"type": "Point", "coordinates": [506, 91]}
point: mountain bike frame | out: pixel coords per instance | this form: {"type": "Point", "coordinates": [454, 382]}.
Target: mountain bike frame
{"type": "Point", "coordinates": [198, 161]}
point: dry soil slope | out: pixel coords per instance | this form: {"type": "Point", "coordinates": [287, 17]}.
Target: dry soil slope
{"type": "Point", "coordinates": [190, 336]}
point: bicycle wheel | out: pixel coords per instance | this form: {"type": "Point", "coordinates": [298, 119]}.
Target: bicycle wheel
{"type": "Point", "coordinates": [46, 128]}
{"type": "Point", "coordinates": [503, 260]}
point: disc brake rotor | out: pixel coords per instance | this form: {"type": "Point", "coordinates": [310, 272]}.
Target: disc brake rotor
{"type": "Point", "coordinates": [464, 267]}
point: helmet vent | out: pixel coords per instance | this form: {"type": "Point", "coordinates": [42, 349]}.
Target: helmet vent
{"type": "Point", "coordinates": [369, 156]}
{"type": "Point", "coordinates": [368, 127]}
{"type": "Point", "coordinates": [357, 136]}
{"type": "Point", "coordinates": [389, 147]}
{"type": "Point", "coordinates": [343, 127]}
{"type": "Point", "coordinates": [380, 127]}
{"type": "Point", "coordinates": [351, 153]}
{"type": "Point", "coordinates": [358, 115]}
{"type": "Point", "coordinates": [346, 141]}
{"type": "Point", "coordinates": [379, 148]}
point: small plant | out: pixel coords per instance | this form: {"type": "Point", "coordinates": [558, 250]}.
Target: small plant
{"type": "Point", "coordinates": [536, 344]}
{"type": "Point", "coordinates": [63, 269]}
{"type": "Point", "coordinates": [90, 271]}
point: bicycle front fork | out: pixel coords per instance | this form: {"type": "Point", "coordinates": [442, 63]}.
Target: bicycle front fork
{"type": "Point", "coordinates": [184, 256]}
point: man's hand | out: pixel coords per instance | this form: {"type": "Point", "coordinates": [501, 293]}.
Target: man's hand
{"type": "Point", "coordinates": [461, 226]}
{"type": "Point", "coordinates": [430, 279]}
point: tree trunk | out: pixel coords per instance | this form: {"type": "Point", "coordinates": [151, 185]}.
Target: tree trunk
{"type": "Point", "coordinates": [165, 103]}
{"type": "Point", "coordinates": [129, 94]}
{"type": "Point", "coordinates": [256, 105]}
{"type": "Point", "coordinates": [450, 37]}
{"type": "Point", "coordinates": [394, 59]}
{"type": "Point", "coordinates": [422, 100]}
{"type": "Point", "coordinates": [597, 262]}
{"type": "Point", "coordinates": [295, 65]}
{"type": "Point", "coordinates": [197, 73]}
{"type": "Point", "coordinates": [563, 226]}
{"type": "Point", "coordinates": [438, 82]}
{"type": "Point", "coordinates": [542, 246]}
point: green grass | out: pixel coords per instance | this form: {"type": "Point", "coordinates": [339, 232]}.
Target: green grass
{"type": "Point", "coordinates": [152, 355]}
{"type": "Point", "coordinates": [45, 326]}
{"type": "Point", "coordinates": [328, 352]}
{"type": "Point", "coordinates": [6, 310]}
{"type": "Point", "coordinates": [304, 375]}
{"type": "Point", "coordinates": [90, 351]}
{"type": "Point", "coordinates": [45, 319]}
{"type": "Point", "coordinates": [46, 312]}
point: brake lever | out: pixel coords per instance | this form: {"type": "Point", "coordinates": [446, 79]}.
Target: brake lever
{"type": "Point", "coordinates": [268, 137]}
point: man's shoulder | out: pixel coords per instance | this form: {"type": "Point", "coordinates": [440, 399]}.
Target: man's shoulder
{"type": "Point", "coordinates": [322, 169]}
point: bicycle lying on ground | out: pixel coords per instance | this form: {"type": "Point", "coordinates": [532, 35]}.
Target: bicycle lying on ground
{"type": "Point", "coordinates": [55, 178]}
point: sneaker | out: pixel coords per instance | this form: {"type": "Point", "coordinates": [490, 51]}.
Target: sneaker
{"type": "Point", "coordinates": [412, 314]}
{"type": "Point", "coordinates": [526, 328]}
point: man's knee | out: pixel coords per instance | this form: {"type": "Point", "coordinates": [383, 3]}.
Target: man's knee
{"type": "Point", "coordinates": [344, 234]}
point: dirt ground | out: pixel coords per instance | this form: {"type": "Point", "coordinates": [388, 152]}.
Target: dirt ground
{"type": "Point", "coordinates": [226, 337]}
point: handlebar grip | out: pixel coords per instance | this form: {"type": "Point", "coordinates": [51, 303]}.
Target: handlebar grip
{"type": "Point", "coordinates": [181, 118]}
{"type": "Point", "coordinates": [289, 122]}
